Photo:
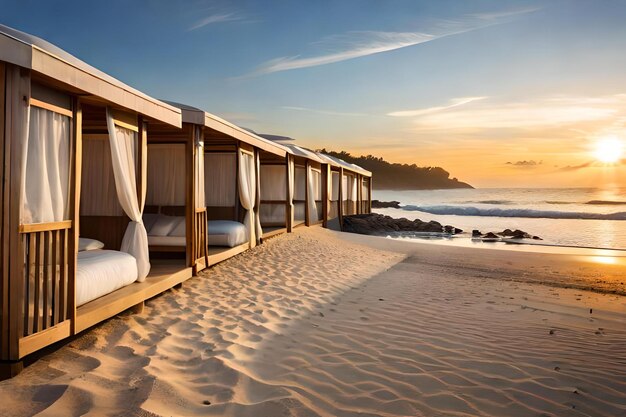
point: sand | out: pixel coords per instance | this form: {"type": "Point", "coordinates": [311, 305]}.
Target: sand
{"type": "Point", "coordinates": [330, 324]}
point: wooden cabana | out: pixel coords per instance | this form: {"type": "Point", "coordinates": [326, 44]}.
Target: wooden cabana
{"type": "Point", "coordinates": [307, 191]}
{"type": "Point", "coordinates": [74, 163]}
{"type": "Point", "coordinates": [349, 188]}
{"type": "Point", "coordinates": [225, 173]}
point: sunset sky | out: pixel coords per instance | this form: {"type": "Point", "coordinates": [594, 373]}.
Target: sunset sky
{"type": "Point", "coordinates": [498, 93]}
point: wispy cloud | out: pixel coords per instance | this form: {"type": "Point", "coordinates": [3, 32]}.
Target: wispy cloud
{"type": "Point", "coordinates": [562, 112]}
{"type": "Point", "coordinates": [324, 112]}
{"type": "Point", "coordinates": [216, 18]}
{"type": "Point", "coordinates": [455, 102]}
{"type": "Point", "coordinates": [363, 43]}
{"type": "Point", "coordinates": [525, 164]}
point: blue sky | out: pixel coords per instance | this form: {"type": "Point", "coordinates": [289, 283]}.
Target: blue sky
{"type": "Point", "coordinates": [469, 85]}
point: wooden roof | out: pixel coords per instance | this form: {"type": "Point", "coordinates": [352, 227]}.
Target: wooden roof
{"type": "Point", "coordinates": [217, 124]}
{"type": "Point", "coordinates": [52, 62]}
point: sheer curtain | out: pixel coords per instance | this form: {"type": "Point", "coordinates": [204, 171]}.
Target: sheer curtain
{"type": "Point", "coordinates": [314, 192]}
{"type": "Point", "coordinates": [247, 193]}
{"type": "Point", "coordinates": [257, 192]}
{"type": "Point", "coordinates": [291, 174]}
{"type": "Point", "coordinates": [300, 193]}
{"type": "Point", "coordinates": [45, 167]}
{"type": "Point", "coordinates": [273, 188]}
{"type": "Point", "coordinates": [124, 158]}
{"type": "Point", "coordinates": [220, 179]}
{"type": "Point", "coordinates": [199, 180]}
{"type": "Point", "coordinates": [166, 175]}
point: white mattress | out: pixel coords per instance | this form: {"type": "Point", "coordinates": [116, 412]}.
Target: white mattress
{"type": "Point", "coordinates": [167, 240]}
{"type": "Point", "coordinates": [226, 233]}
{"type": "Point", "coordinates": [101, 272]}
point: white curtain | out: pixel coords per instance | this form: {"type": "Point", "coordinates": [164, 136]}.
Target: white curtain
{"type": "Point", "coordinates": [273, 188]}
{"type": "Point", "coordinates": [124, 158]}
{"type": "Point", "coordinates": [257, 192]}
{"type": "Point", "coordinates": [98, 195]}
{"type": "Point", "coordinates": [45, 167]}
{"type": "Point", "coordinates": [334, 186]}
{"type": "Point", "coordinates": [199, 187]}
{"type": "Point", "coordinates": [247, 193]}
{"type": "Point", "coordinates": [291, 187]}
{"type": "Point", "coordinates": [166, 175]}
{"type": "Point", "coordinates": [314, 192]}
{"type": "Point", "coordinates": [300, 183]}
{"type": "Point", "coordinates": [220, 179]}
{"type": "Point", "coordinates": [273, 179]}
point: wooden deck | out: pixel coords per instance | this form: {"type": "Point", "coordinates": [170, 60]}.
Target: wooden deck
{"type": "Point", "coordinates": [218, 254]}
{"type": "Point", "coordinates": [269, 232]}
{"type": "Point", "coordinates": [164, 274]}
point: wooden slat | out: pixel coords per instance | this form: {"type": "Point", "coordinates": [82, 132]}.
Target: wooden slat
{"type": "Point", "coordinates": [38, 278]}
{"type": "Point", "coordinates": [63, 276]}
{"type": "Point", "coordinates": [47, 270]}
{"type": "Point", "coordinates": [44, 227]}
{"type": "Point", "coordinates": [51, 107]}
{"type": "Point", "coordinates": [29, 244]}
{"type": "Point", "coordinates": [55, 277]}
{"type": "Point", "coordinates": [4, 216]}
{"type": "Point", "coordinates": [37, 341]}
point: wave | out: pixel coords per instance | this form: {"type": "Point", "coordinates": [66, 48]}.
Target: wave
{"type": "Point", "coordinates": [526, 213]}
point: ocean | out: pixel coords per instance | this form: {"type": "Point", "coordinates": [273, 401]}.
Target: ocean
{"type": "Point", "coordinates": [579, 217]}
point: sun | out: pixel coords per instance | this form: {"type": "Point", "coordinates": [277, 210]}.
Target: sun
{"type": "Point", "coordinates": [609, 150]}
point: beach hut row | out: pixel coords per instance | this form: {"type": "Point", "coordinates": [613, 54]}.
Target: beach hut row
{"type": "Point", "coordinates": [110, 197]}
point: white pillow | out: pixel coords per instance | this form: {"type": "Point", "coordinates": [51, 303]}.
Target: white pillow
{"type": "Point", "coordinates": [164, 225]}
{"type": "Point", "coordinates": [89, 244]}
{"type": "Point", "coordinates": [149, 219]}
{"type": "Point", "coordinates": [181, 228]}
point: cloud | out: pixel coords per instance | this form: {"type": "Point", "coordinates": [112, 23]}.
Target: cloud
{"type": "Point", "coordinates": [216, 18]}
{"type": "Point", "coordinates": [549, 112]}
{"type": "Point", "coordinates": [570, 168]}
{"type": "Point", "coordinates": [325, 112]}
{"type": "Point", "coordinates": [455, 103]}
{"type": "Point", "coordinates": [358, 44]}
{"type": "Point", "coordinates": [526, 164]}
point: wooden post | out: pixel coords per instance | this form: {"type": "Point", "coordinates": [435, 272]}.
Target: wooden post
{"type": "Point", "coordinates": [74, 233]}
{"type": "Point", "coordinates": [257, 200]}
{"type": "Point", "coordinates": [340, 202]}
{"type": "Point", "coordinates": [191, 150]}
{"type": "Point", "coordinates": [17, 95]}
{"type": "Point", "coordinates": [4, 278]}
{"type": "Point", "coordinates": [237, 153]}
{"type": "Point", "coordinates": [369, 203]}
{"type": "Point", "coordinates": [142, 157]}
{"type": "Point", "coordinates": [307, 195]}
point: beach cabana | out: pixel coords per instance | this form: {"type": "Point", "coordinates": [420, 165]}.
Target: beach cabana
{"type": "Point", "coordinates": [227, 169]}
{"type": "Point", "coordinates": [349, 188]}
{"type": "Point", "coordinates": [74, 163]}
{"type": "Point", "coordinates": [307, 182]}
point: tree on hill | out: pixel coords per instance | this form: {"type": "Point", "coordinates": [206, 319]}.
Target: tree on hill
{"type": "Point", "coordinates": [394, 176]}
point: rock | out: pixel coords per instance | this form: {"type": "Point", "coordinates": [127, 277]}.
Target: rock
{"type": "Point", "coordinates": [376, 224]}
{"type": "Point", "coordinates": [491, 235]}
{"type": "Point", "coordinates": [385, 204]}
{"type": "Point", "coordinates": [506, 232]}
{"type": "Point", "coordinates": [517, 234]}
{"type": "Point", "coordinates": [452, 230]}
{"type": "Point", "coordinates": [476, 233]}
{"type": "Point", "coordinates": [537, 238]}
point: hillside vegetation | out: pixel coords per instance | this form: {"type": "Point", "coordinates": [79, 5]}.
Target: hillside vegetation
{"type": "Point", "coordinates": [393, 176]}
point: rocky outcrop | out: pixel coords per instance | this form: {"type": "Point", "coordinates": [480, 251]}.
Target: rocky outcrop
{"type": "Point", "coordinates": [385, 204]}
{"type": "Point", "coordinates": [377, 224]}
{"type": "Point", "coordinates": [506, 233]}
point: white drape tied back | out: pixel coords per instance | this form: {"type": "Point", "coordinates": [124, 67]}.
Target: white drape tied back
{"type": "Point", "coordinates": [313, 192]}
{"type": "Point", "coordinates": [257, 191]}
{"type": "Point", "coordinates": [124, 159]}
{"type": "Point", "coordinates": [247, 193]}
{"type": "Point", "coordinates": [199, 182]}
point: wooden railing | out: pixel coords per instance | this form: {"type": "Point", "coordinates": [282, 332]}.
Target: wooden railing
{"type": "Point", "coordinates": [201, 236]}
{"type": "Point", "coordinates": [46, 278]}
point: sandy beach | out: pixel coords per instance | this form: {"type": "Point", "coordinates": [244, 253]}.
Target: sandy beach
{"type": "Point", "coordinates": [323, 323]}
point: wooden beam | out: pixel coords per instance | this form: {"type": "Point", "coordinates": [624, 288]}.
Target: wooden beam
{"type": "Point", "coordinates": [45, 227]}
{"type": "Point", "coordinates": [190, 196]}
{"type": "Point", "coordinates": [51, 107]}
{"type": "Point", "coordinates": [326, 178]}
{"type": "Point", "coordinates": [307, 194]}
{"type": "Point", "coordinates": [71, 254]}
{"type": "Point", "coordinates": [288, 202]}
{"type": "Point", "coordinates": [5, 231]}
{"type": "Point", "coordinates": [340, 203]}
{"type": "Point", "coordinates": [17, 95]}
